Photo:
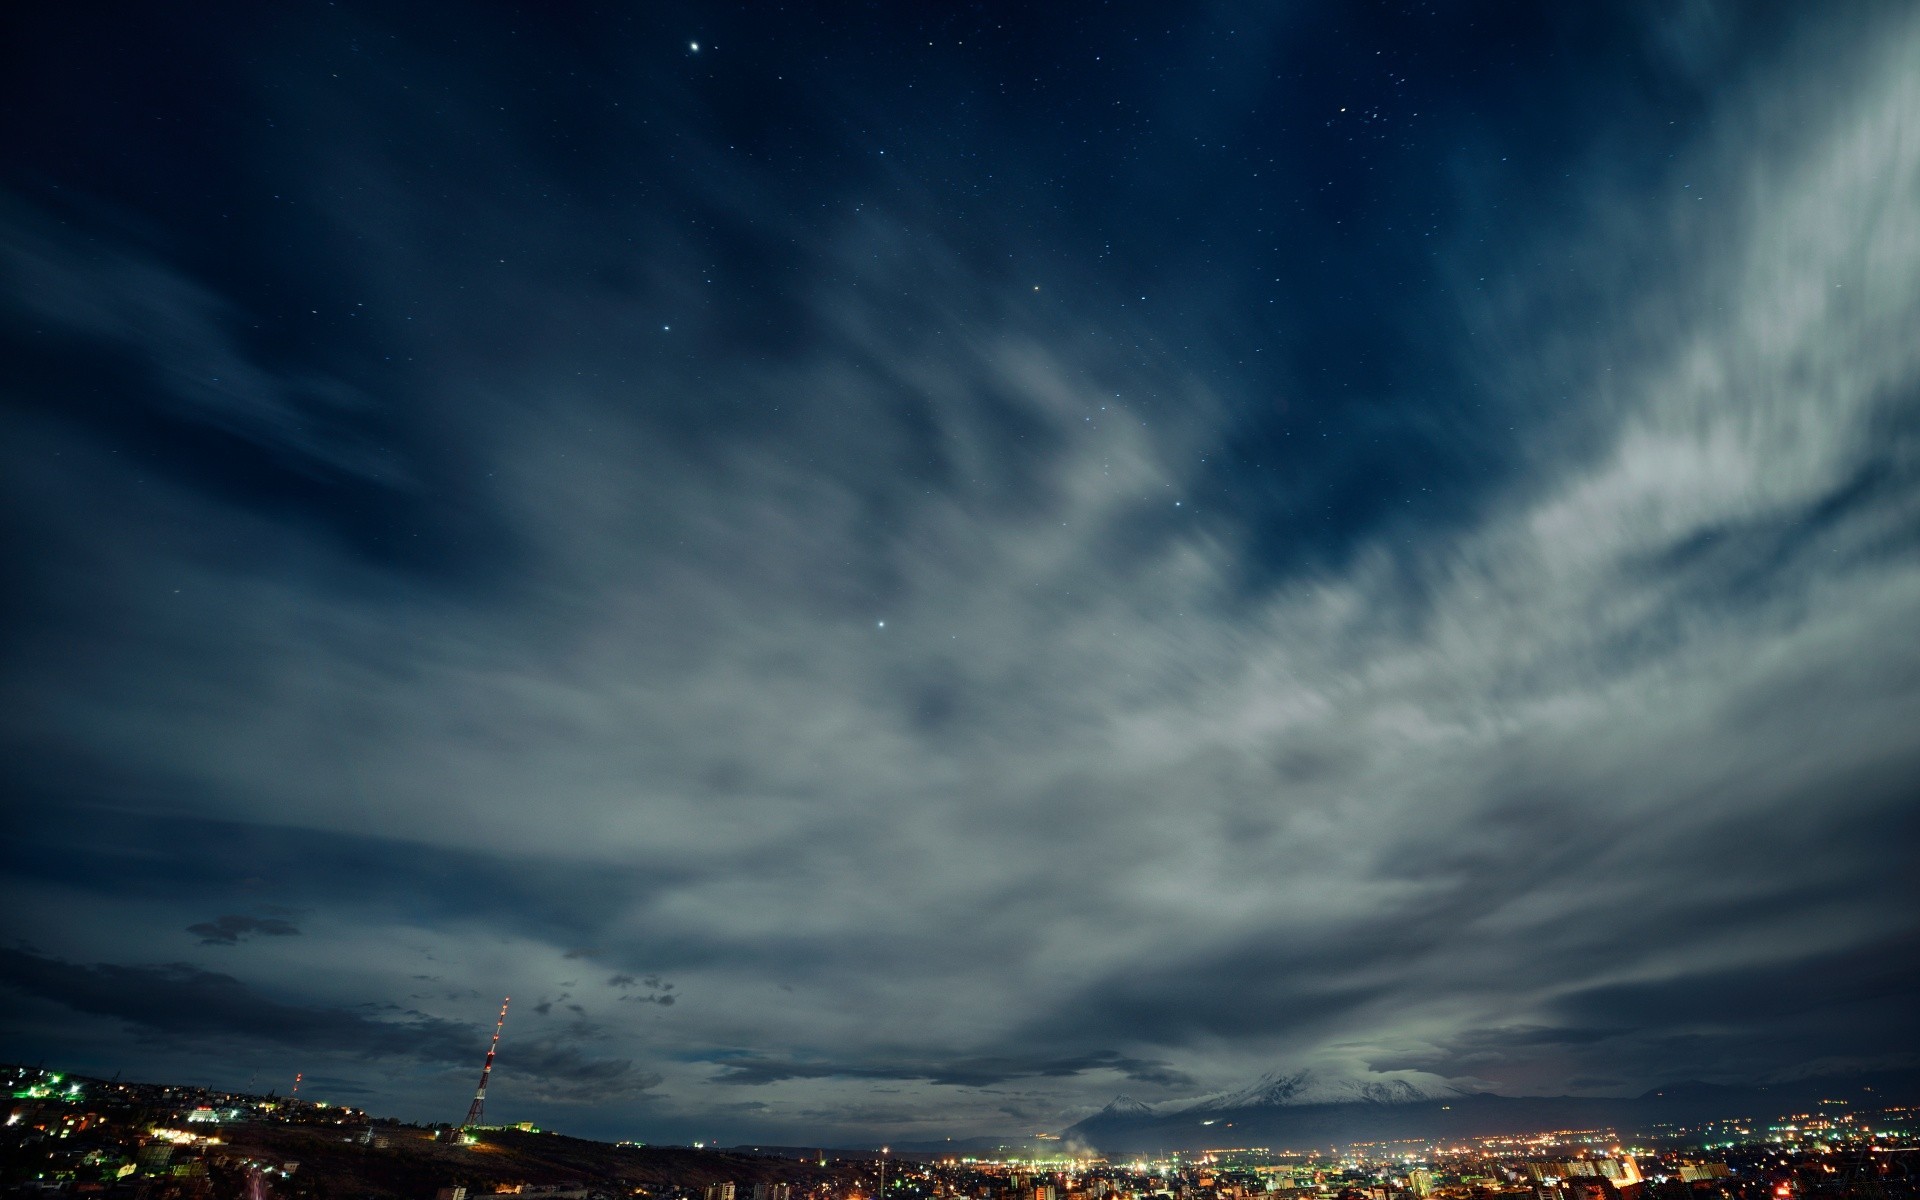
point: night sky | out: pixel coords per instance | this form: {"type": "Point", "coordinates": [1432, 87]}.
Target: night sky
{"type": "Point", "coordinates": [897, 570]}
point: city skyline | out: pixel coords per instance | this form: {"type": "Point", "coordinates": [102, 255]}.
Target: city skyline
{"type": "Point", "coordinates": [898, 573]}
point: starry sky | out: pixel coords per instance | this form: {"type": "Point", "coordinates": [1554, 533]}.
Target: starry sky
{"type": "Point", "coordinates": [896, 570]}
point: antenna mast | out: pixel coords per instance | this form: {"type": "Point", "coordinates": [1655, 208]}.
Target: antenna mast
{"type": "Point", "coordinates": [480, 1093]}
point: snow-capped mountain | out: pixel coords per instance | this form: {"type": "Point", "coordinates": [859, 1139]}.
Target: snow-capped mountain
{"type": "Point", "coordinates": [1274, 1090]}
{"type": "Point", "coordinates": [1329, 1106]}
{"type": "Point", "coordinates": [1285, 1089]}
{"type": "Point", "coordinates": [1125, 1106]}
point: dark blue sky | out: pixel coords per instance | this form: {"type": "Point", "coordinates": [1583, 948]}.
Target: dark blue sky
{"type": "Point", "coordinates": [897, 571]}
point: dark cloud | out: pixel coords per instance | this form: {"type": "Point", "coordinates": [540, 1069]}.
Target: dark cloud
{"type": "Point", "coordinates": [230, 930]}
{"type": "Point", "coordinates": [181, 999]}
{"type": "Point", "coordinates": [1880, 977]}
{"type": "Point", "coordinates": [658, 991]}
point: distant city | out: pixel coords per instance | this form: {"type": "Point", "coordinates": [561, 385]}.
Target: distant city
{"type": "Point", "coordinates": [68, 1135]}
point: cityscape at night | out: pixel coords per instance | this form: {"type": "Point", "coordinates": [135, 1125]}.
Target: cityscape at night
{"type": "Point", "coordinates": [947, 600]}
{"type": "Point", "coordinates": [109, 1138]}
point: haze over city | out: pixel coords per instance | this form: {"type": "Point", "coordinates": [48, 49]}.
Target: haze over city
{"type": "Point", "coordinates": [894, 572]}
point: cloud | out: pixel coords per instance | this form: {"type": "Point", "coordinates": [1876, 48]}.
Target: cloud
{"type": "Point", "coordinates": [181, 999]}
{"type": "Point", "coordinates": [230, 930]}
{"type": "Point", "coordinates": [1478, 645]}
{"type": "Point", "coordinates": [658, 991]}
{"type": "Point", "coordinates": [177, 334]}
{"type": "Point", "coordinates": [956, 1071]}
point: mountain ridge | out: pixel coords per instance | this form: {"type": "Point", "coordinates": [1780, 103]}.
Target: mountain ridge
{"type": "Point", "coordinates": [1285, 1109]}
{"type": "Point", "coordinates": [1285, 1089]}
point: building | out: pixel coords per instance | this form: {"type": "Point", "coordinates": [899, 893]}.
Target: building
{"type": "Point", "coordinates": [1620, 1172]}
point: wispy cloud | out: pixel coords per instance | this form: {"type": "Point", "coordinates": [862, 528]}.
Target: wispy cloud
{"type": "Point", "coordinates": [231, 929]}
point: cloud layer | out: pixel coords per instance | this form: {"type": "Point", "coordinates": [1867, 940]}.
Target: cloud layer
{"type": "Point", "coordinates": [861, 642]}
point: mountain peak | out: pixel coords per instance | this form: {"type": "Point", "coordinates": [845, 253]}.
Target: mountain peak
{"type": "Point", "coordinates": [1288, 1088]}
{"type": "Point", "coordinates": [1124, 1105]}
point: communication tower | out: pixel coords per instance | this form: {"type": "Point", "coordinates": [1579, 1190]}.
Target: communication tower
{"type": "Point", "coordinates": [480, 1093]}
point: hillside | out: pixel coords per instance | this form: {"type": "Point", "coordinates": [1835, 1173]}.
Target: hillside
{"type": "Point", "coordinates": [408, 1163]}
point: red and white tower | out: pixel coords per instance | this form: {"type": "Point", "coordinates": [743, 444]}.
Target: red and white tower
{"type": "Point", "coordinates": [480, 1093]}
